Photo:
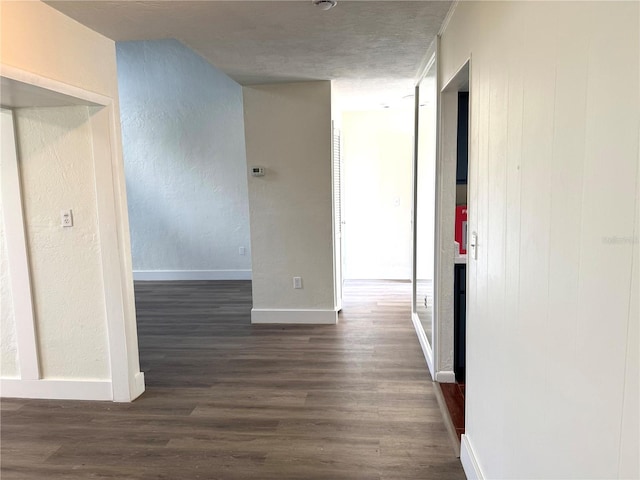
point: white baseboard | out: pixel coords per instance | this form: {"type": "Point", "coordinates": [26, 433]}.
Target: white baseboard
{"type": "Point", "coordinates": [56, 389]}
{"type": "Point", "coordinates": [424, 342]}
{"type": "Point", "coordinates": [170, 275]}
{"type": "Point", "coordinates": [139, 385]}
{"type": "Point", "coordinates": [445, 377]}
{"type": "Point", "coordinates": [294, 316]}
{"type": "Point", "coordinates": [469, 460]}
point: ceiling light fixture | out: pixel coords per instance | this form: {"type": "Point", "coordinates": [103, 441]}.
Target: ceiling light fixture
{"type": "Point", "coordinates": [324, 4]}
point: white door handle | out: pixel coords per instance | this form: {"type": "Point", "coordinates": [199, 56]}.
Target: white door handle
{"type": "Point", "coordinates": [473, 245]}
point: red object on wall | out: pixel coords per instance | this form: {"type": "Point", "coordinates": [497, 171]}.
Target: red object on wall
{"type": "Point", "coordinates": [461, 228]}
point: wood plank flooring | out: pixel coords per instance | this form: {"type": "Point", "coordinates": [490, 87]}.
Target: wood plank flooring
{"type": "Point", "coordinates": [453, 394]}
{"type": "Point", "coordinates": [227, 400]}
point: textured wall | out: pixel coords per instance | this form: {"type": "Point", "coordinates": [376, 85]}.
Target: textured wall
{"type": "Point", "coordinates": [9, 357]}
{"type": "Point", "coordinates": [288, 131]}
{"type": "Point", "coordinates": [377, 156]}
{"type": "Point", "coordinates": [34, 35]}
{"type": "Point", "coordinates": [185, 162]}
{"type": "Point", "coordinates": [9, 351]}
{"type": "Point", "coordinates": [552, 330]}
{"type": "Point", "coordinates": [38, 39]}
{"type": "Point", "coordinates": [56, 168]}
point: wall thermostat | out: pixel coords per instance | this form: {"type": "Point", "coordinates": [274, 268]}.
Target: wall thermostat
{"type": "Point", "coordinates": [257, 171]}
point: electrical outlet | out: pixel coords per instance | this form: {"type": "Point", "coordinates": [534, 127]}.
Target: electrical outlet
{"type": "Point", "coordinates": [66, 218]}
{"type": "Point", "coordinates": [241, 251]}
{"type": "Point", "coordinates": [297, 282]}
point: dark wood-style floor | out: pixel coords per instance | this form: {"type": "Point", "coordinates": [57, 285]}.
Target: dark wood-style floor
{"type": "Point", "coordinates": [227, 400]}
{"type": "Point", "coordinates": [453, 394]}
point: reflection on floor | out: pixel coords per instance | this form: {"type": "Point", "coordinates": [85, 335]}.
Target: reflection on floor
{"type": "Point", "coordinates": [453, 394]}
{"type": "Point", "coordinates": [424, 305]}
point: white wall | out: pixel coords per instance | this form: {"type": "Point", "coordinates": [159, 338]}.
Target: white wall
{"type": "Point", "coordinates": [56, 169]}
{"type": "Point", "coordinates": [185, 163]}
{"type": "Point", "coordinates": [9, 352]}
{"type": "Point", "coordinates": [288, 131]}
{"type": "Point", "coordinates": [377, 167]}
{"type": "Point", "coordinates": [552, 325]}
{"type": "Point", "coordinates": [43, 46]}
{"type": "Point", "coordinates": [9, 367]}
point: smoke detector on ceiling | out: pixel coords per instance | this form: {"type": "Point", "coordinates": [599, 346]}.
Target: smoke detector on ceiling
{"type": "Point", "coordinates": [324, 4]}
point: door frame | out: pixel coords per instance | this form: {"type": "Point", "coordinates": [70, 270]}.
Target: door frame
{"type": "Point", "coordinates": [428, 349]}
{"type": "Point", "coordinates": [23, 89]}
{"type": "Point", "coordinates": [446, 161]}
{"type": "Point", "coordinates": [337, 215]}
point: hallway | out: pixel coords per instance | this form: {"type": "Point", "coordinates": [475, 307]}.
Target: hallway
{"type": "Point", "coordinates": [229, 400]}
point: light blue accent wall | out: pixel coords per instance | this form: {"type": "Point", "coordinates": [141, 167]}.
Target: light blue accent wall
{"type": "Point", "coordinates": [185, 159]}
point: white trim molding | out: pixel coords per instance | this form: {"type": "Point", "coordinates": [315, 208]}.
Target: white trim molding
{"type": "Point", "coordinates": [469, 460]}
{"type": "Point", "coordinates": [18, 256]}
{"type": "Point", "coordinates": [100, 122]}
{"type": "Point", "coordinates": [139, 386]}
{"type": "Point", "coordinates": [445, 376]}
{"type": "Point", "coordinates": [56, 389]}
{"type": "Point", "coordinates": [169, 275]}
{"type": "Point", "coordinates": [424, 342]}
{"type": "Point", "coordinates": [447, 18]}
{"type": "Point", "coordinates": [48, 85]}
{"type": "Point", "coordinates": [294, 316]}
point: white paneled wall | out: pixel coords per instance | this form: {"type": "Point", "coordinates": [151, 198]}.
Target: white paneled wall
{"type": "Point", "coordinates": [552, 324]}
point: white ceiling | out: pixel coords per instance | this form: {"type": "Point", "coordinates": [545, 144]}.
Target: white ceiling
{"type": "Point", "coordinates": [373, 49]}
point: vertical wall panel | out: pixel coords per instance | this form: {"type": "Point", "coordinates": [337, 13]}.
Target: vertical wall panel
{"type": "Point", "coordinates": [611, 136]}
{"type": "Point", "coordinates": [554, 160]}
{"type": "Point", "coordinates": [629, 458]}
{"type": "Point", "coordinates": [515, 79]}
{"type": "Point", "coordinates": [566, 213]}
{"type": "Point", "coordinates": [9, 367]}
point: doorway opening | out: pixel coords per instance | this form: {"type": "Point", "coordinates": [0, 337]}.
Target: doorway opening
{"type": "Point", "coordinates": [375, 195]}
{"type": "Point", "coordinates": [454, 244]}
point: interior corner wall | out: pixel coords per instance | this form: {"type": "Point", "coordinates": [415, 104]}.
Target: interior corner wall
{"type": "Point", "coordinates": [42, 43]}
{"type": "Point", "coordinates": [288, 132]}
{"type": "Point", "coordinates": [552, 315]}
{"type": "Point", "coordinates": [377, 172]}
{"type": "Point", "coordinates": [185, 164]}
